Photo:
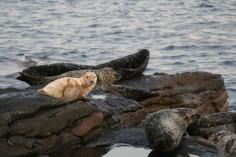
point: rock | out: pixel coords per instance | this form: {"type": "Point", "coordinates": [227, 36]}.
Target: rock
{"type": "Point", "coordinates": [201, 90]}
{"type": "Point", "coordinates": [51, 122]}
{"type": "Point", "coordinates": [18, 105]}
{"type": "Point", "coordinates": [225, 142]}
{"type": "Point", "coordinates": [165, 128]}
{"type": "Point", "coordinates": [133, 118]}
{"type": "Point", "coordinates": [210, 124]}
{"type": "Point", "coordinates": [136, 137]}
{"type": "Point", "coordinates": [88, 124]}
{"type": "Point", "coordinates": [29, 143]}
{"type": "Point", "coordinates": [127, 67]}
{"type": "Point", "coordinates": [32, 124]}
{"type": "Point", "coordinates": [27, 118]}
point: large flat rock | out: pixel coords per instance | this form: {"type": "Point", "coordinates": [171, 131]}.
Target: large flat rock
{"type": "Point", "coordinates": [201, 90]}
{"type": "Point", "coordinates": [33, 124]}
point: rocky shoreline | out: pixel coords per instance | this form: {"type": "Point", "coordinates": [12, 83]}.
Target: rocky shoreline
{"type": "Point", "coordinates": [31, 124]}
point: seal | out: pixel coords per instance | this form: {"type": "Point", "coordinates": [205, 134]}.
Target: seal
{"type": "Point", "coordinates": [128, 67]}
{"type": "Point", "coordinates": [212, 123]}
{"type": "Point", "coordinates": [69, 89]}
{"type": "Point", "coordinates": [225, 142]}
{"type": "Point", "coordinates": [105, 76]}
{"type": "Point", "coordinates": [165, 128]}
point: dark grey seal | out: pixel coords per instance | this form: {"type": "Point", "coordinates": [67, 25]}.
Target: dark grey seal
{"type": "Point", "coordinates": [212, 123]}
{"type": "Point", "coordinates": [225, 142]}
{"type": "Point", "coordinates": [128, 67]}
{"type": "Point", "coordinates": [165, 128]}
{"type": "Point", "coordinates": [106, 76]}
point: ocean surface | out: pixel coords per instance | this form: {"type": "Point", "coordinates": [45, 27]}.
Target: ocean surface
{"type": "Point", "coordinates": [182, 35]}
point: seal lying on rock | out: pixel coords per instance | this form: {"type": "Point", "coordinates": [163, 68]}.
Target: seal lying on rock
{"type": "Point", "coordinates": [69, 89]}
{"type": "Point", "coordinates": [128, 67]}
{"type": "Point", "coordinates": [210, 124]}
{"type": "Point", "coordinates": [105, 76]}
{"type": "Point", "coordinates": [225, 141]}
{"type": "Point", "coordinates": [165, 128]}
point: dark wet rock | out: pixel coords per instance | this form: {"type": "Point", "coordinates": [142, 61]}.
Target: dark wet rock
{"type": "Point", "coordinates": [210, 124]}
{"type": "Point", "coordinates": [225, 142]}
{"type": "Point", "coordinates": [165, 128]}
{"type": "Point", "coordinates": [133, 118]}
{"type": "Point", "coordinates": [136, 137]}
{"type": "Point", "coordinates": [201, 90]}
{"type": "Point", "coordinates": [53, 120]}
{"type": "Point", "coordinates": [88, 124]}
{"type": "Point", "coordinates": [4, 131]}
{"type": "Point", "coordinates": [22, 104]}
{"type": "Point", "coordinates": [128, 67]}
{"type": "Point", "coordinates": [26, 142]}
{"type": "Point", "coordinates": [32, 124]}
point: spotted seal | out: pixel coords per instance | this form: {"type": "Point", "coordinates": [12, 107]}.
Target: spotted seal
{"type": "Point", "coordinates": [165, 128]}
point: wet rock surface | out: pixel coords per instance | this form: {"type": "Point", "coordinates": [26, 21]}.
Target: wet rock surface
{"type": "Point", "coordinates": [201, 90]}
{"type": "Point", "coordinates": [122, 134]}
{"type": "Point", "coordinates": [32, 124]}
{"type": "Point", "coordinates": [35, 124]}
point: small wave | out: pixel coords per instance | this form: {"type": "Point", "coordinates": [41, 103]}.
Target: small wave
{"type": "Point", "coordinates": [204, 5]}
{"type": "Point", "coordinates": [231, 89]}
{"type": "Point", "coordinates": [229, 62]}
{"type": "Point", "coordinates": [178, 63]}
{"type": "Point", "coordinates": [174, 57]}
{"type": "Point", "coordinates": [173, 47]}
{"type": "Point", "coordinates": [28, 61]}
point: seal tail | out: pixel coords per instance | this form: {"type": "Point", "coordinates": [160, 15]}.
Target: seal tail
{"type": "Point", "coordinates": [31, 80]}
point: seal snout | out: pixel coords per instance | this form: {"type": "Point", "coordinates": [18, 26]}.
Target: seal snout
{"type": "Point", "coordinates": [91, 81]}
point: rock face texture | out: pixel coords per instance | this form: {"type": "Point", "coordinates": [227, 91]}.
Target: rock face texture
{"type": "Point", "coordinates": [201, 90]}
{"type": "Point", "coordinates": [33, 124]}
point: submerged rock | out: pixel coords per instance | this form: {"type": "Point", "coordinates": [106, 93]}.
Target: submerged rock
{"type": "Point", "coordinates": [225, 142]}
{"type": "Point", "coordinates": [165, 128]}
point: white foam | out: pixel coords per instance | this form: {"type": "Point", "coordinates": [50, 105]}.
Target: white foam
{"type": "Point", "coordinates": [192, 155]}
{"type": "Point", "coordinates": [100, 96]}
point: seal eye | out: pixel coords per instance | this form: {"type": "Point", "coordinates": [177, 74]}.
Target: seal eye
{"type": "Point", "coordinates": [87, 77]}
